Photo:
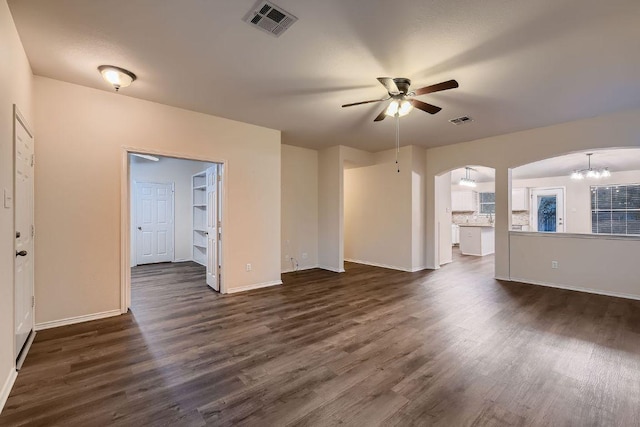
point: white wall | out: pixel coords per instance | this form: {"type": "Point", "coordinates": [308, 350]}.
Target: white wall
{"type": "Point", "coordinates": [15, 88]}
{"type": "Point", "coordinates": [168, 170]}
{"type": "Point", "coordinates": [509, 151]}
{"type": "Point", "coordinates": [599, 264]}
{"type": "Point", "coordinates": [78, 191]}
{"type": "Point", "coordinates": [299, 207]}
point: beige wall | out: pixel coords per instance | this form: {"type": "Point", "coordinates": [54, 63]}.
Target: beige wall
{"type": "Point", "coordinates": [15, 88]}
{"type": "Point", "coordinates": [418, 206]}
{"type": "Point", "coordinates": [509, 151]}
{"type": "Point", "coordinates": [605, 265]}
{"type": "Point", "coordinates": [443, 186]}
{"type": "Point", "coordinates": [299, 207]}
{"type": "Point", "coordinates": [78, 190]}
{"type": "Point", "coordinates": [168, 170]}
{"type": "Point", "coordinates": [384, 214]}
{"type": "Point", "coordinates": [330, 209]}
{"type": "Point", "coordinates": [378, 214]}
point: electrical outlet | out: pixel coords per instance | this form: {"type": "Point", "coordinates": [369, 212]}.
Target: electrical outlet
{"type": "Point", "coordinates": [305, 255]}
{"type": "Point", "coordinates": [248, 267]}
{"type": "Point", "coordinates": [554, 264]}
{"type": "Point", "coordinates": [286, 257]}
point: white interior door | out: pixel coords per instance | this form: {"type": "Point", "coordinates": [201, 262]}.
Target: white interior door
{"type": "Point", "coordinates": [154, 222]}
{"type": "Point", "coordinates": [24, 301]}
{"type": "Point", "coordinates": [212, 228]}
{"type": "Point", "coordinates": [547, 210]}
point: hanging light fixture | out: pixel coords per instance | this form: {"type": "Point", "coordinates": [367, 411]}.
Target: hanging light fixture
{"type": "Point", "coordinates": [118, 77]}
{"type": "Point", "coordinates": [589, 172]}
{"type": "Point", "coordinates": [466, 180]}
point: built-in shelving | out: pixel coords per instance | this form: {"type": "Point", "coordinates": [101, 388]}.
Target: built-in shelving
{"type": "Point", "coordinates": [199, 202]}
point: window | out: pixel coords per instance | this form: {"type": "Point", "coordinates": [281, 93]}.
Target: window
{"type": "Point", "coordinates": [487, 203]}
{"type": "Point", "coordinates": [615, 209]}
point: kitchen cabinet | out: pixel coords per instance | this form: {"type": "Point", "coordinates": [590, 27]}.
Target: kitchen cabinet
{"type": "Point", "coordinates": [464, 201]}
{"type": "Point", "coordinates": [520, 199]}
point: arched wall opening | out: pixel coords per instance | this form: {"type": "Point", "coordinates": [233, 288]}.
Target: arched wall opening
{"type": "Point", "coordinates": [466, 213]}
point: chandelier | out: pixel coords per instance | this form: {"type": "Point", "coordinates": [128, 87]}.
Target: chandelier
{"type": "Point", "coordinates": [590, 172]}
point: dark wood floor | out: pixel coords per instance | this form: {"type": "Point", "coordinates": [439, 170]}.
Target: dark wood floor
{"type": "Point", "coordinates": [367, 347]}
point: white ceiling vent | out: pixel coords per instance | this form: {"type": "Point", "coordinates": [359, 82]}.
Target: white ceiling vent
{"type": "Point", "coordinates": [268, 17]}
{"type": "Point", "coordinates": [461, 120]}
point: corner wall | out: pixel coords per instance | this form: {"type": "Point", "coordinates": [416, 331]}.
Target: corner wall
{"type": "Point", "coordinates": [16, 83]}
{"type": "Point", "coordinates": [299, 208]}
{"type": "Point", "coordinates": [78, 191]}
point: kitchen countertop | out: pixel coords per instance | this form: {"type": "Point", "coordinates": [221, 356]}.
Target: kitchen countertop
{"type": "Point", "coordinates": [476, 225]}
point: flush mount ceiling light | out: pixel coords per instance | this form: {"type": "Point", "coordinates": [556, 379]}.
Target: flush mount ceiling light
{"type": "Point", "coordinates": [466, 180]}
{"type": "Point", "coordinates": [118, 77]}
{"type": "Point", "coordinates": [590, 172]}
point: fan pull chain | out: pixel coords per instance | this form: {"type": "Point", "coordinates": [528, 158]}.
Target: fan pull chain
{"type": "Point", "coordinates": [397, 140]}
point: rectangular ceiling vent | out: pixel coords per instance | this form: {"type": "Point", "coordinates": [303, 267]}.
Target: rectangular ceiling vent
{"type": "Point", "coordinates": [270, 18]}
{"type": "Point", "coordinates": [461, 120]}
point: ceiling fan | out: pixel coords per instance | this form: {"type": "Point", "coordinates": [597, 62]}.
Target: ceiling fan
{"type": "Point", "coordinates": [402, 102]}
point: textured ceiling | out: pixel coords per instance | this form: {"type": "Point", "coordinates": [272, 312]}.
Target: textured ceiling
{"type": "Point", "coordinates": [520, 64]}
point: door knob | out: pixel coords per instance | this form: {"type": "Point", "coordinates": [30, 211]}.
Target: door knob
{"type": "Point", "coordinates": [140, 228]}
{"type": "Point", "coordinates": [21, 253]}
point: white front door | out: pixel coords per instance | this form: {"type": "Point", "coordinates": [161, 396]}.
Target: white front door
{"type": "Point", "coordinates": [24, 302]}
{"type": "Point", "coordinates": [212, 228]}
{"type": "Point", "coordinates": [547, 210]}
{"type": "Point", "coordinates": [154, 222]}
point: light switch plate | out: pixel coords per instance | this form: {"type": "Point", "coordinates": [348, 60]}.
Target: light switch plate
{"type": "Point", "coordinates": [8, 199]}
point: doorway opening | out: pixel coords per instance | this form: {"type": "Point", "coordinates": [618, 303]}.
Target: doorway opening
{"type": "Point", "coordinates": [173, 210]}
{"type": "Point", "coordinates": [465, 213]}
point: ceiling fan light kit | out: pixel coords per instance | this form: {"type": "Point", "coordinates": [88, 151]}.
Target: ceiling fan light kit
{"type": "Point", "coordinates": [402, 101]}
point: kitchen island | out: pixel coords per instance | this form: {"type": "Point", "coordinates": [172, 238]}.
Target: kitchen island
{"type": "Point", "coordinates": [477, 239]}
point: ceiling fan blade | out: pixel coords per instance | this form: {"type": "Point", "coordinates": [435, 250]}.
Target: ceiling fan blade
{"type": "Point", "coordinates": [389, 84]}
{"type": "Point", "coordinates": [381, 116]}
{"type": "Point", "coordinates": [431, 109]}
{"type": "Point", "coordinates": [363, 102]}
{"type": "Point", "coordinates": [450, 84]}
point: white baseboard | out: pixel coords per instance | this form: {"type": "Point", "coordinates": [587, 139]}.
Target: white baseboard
{"type": "Point", "coordinates": [335, 270]}
{"type": "Point", "coordinates": [576, 288]}
{"type": "Point", "coordinates": [502, 278]}
{"type": "Point", "coordinates": [182, 259]}
{"type": "Point", "coordinates": [391, 267]}
{"type": "Point", "coordinates": [77, 319]}
{"type": "Point", "coordinates": [6, 387]}
{"type": "Point", "coordinates": [254, 286]}
{"type": "Point", "coordinates": [309, 267]}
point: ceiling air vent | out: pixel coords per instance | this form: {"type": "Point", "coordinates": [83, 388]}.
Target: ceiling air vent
{"type": "Point", "coordinates": [461, 120]}
{"type": "Point", "coordinates": [268, 17]}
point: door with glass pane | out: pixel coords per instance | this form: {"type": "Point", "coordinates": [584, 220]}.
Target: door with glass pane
{"type": "Point", "coordinates": [547, 210]}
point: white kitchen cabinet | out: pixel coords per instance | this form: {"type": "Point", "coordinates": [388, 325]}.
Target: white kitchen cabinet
{"type": "Point", "coordinates": [520, 199]}
{"type": "Point", "coordinates": [464, 201]}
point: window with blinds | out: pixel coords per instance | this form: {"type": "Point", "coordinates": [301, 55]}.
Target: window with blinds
{"type": "Point", "coordinates": [615, 209]}
{"type": "Point", "coordinates": [487, 202]}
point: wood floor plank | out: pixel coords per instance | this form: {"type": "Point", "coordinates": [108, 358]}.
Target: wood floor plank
{"type": "Point", "coordinates": [367, 347]}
